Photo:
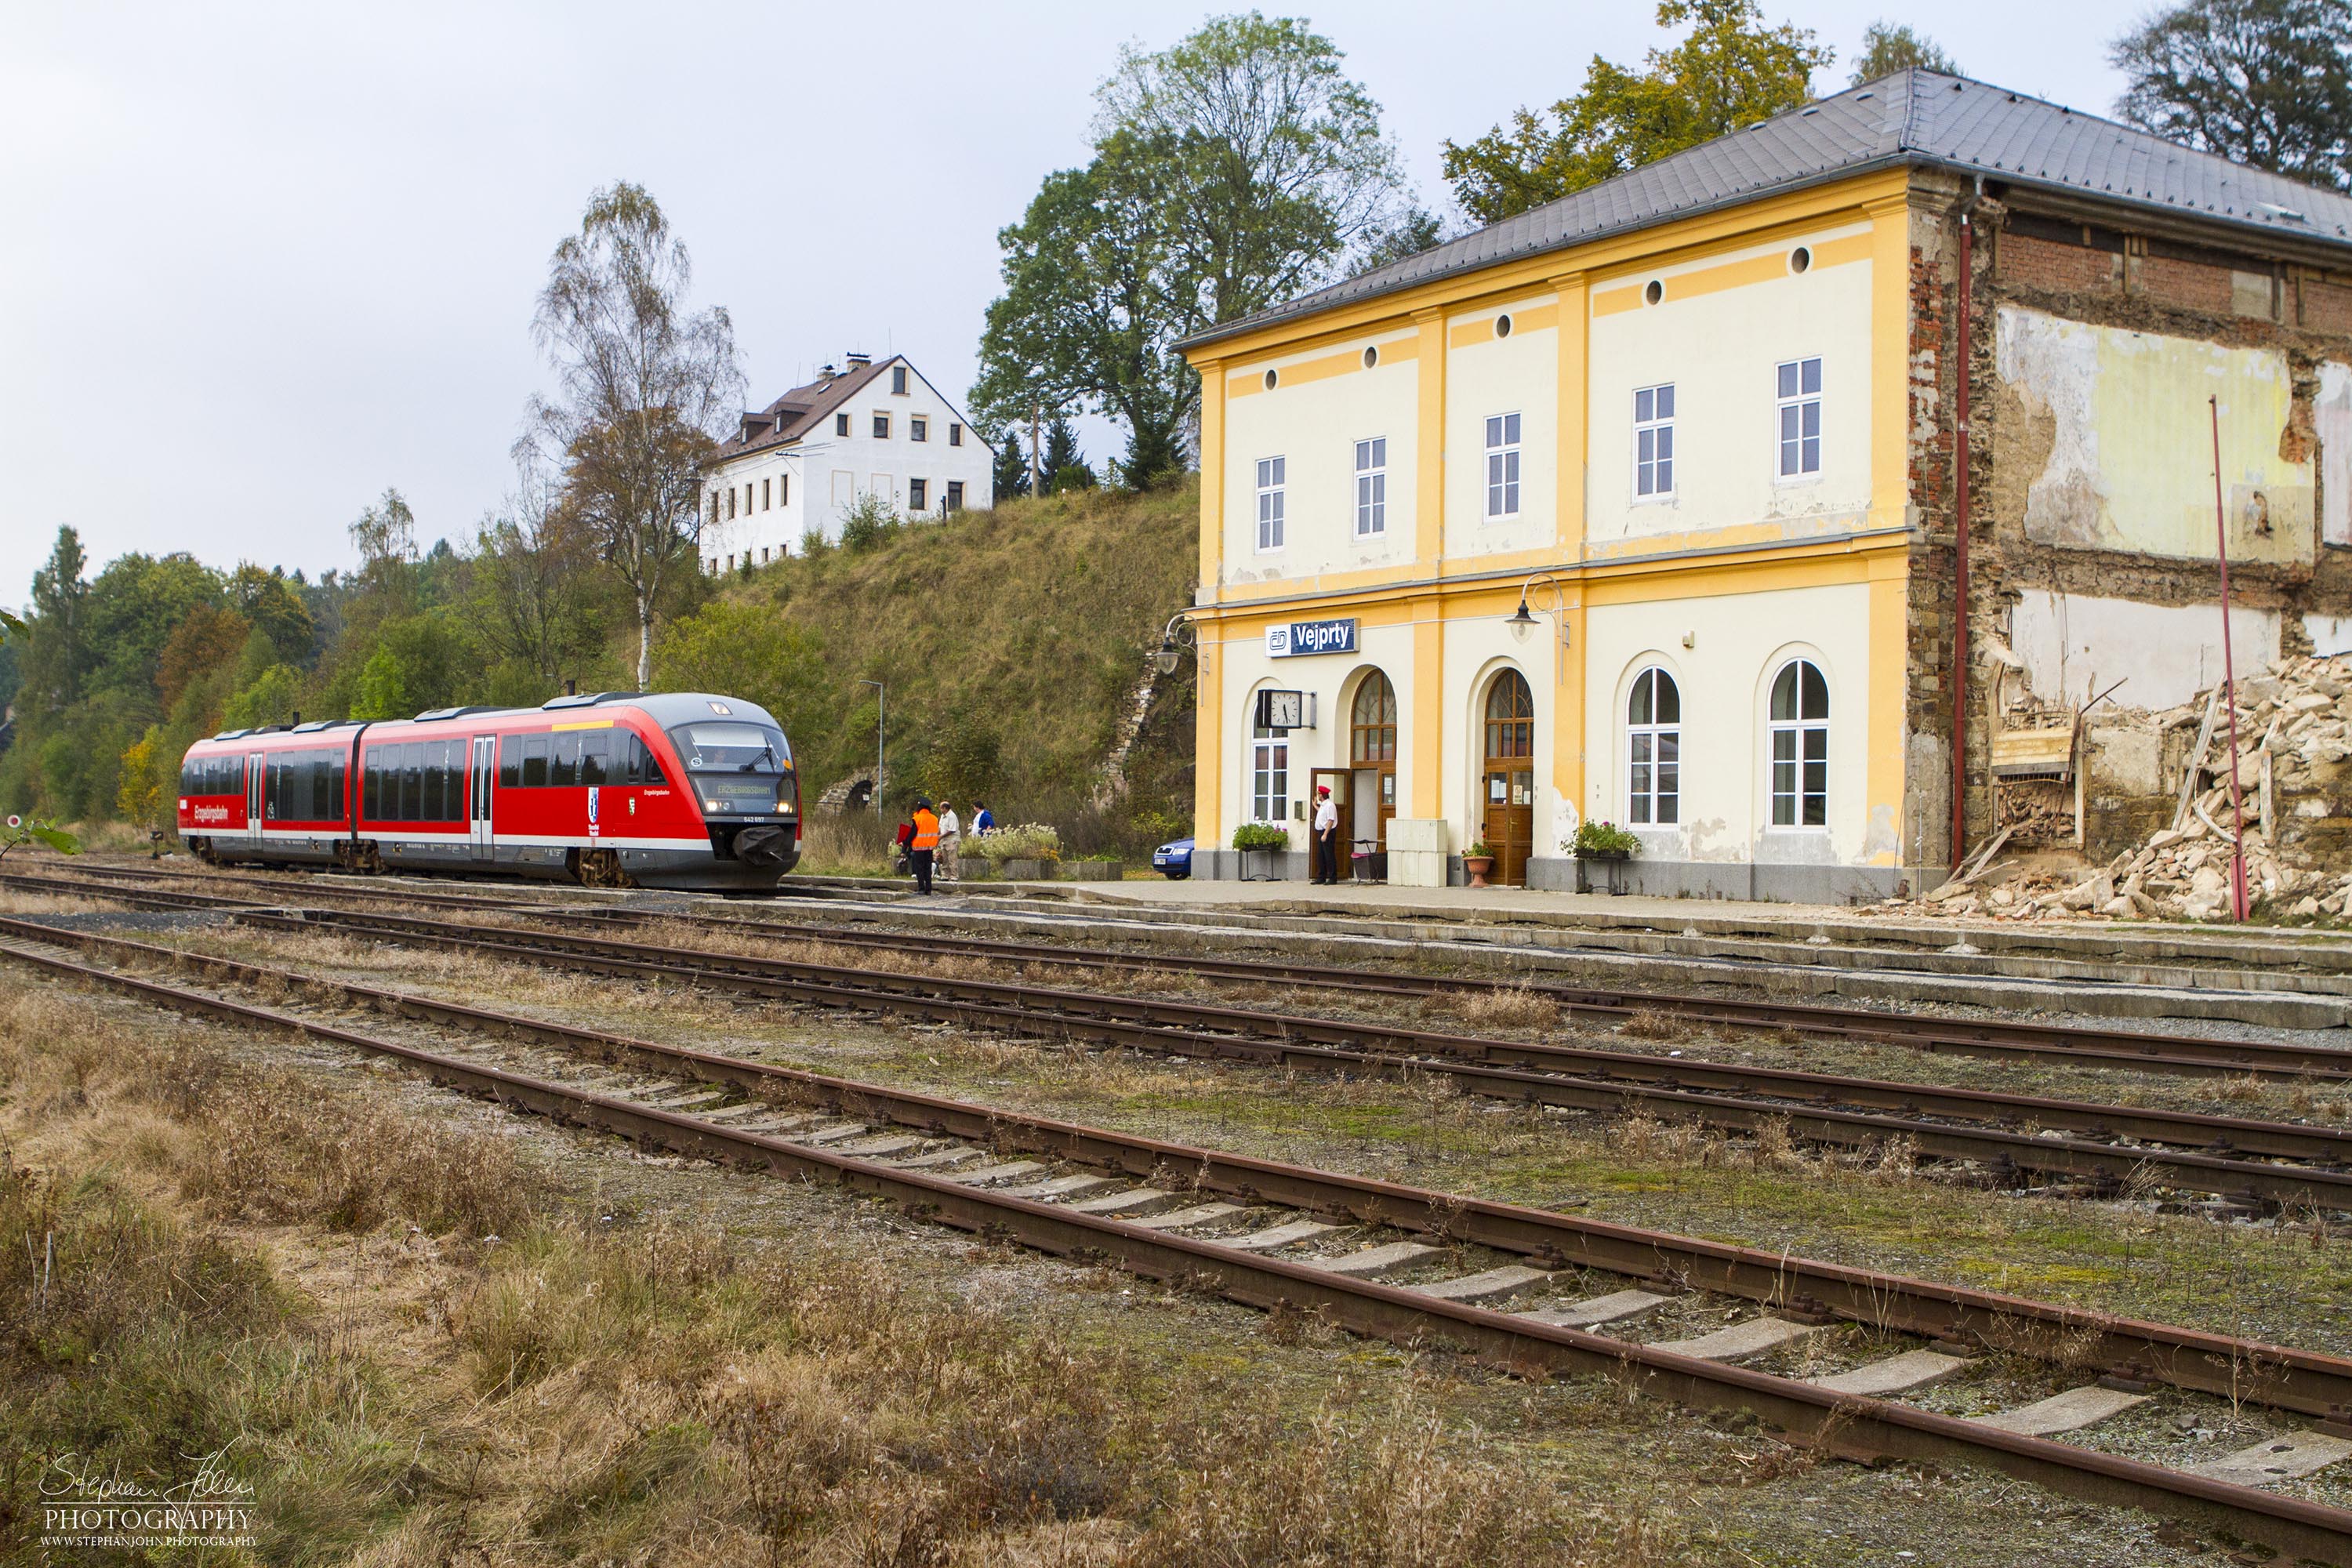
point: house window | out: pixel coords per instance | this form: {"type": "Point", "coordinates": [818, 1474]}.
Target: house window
{"type": "Point", "coordinates": [1372, 487]}
{"type": "Point", "coordinates": [1270, 472]}
{"type": "Point", "coordinates": [918, 491]}
{"type": "Point", "coordinates": [1800, 391]}
{"type": "Point", "coordinates": [917, 428]}
{"type": "Point", "coordinates": [1653, 440]}
{"type": "Point", "coordinates": [841, 424]}
{"type": "Point", "coordinates": [1503, 465]}
{"type": "Point", "coordinates": [1800, 746]}
{"type": "Point", "coordinates": [784, 490]}
{"type": "Point", "coordinates": [1372, 721]}
{"type": "Point", "coordinates": [766, 502]}
{"type": "Point", "coordinates": [881, 427]}
{"type": "Point", "coordinates": [1654, 746]}
{"type": "Point", "coordinates": [731, 500]}
{"type": "Point", "coordinates": [955, 495]}
{"type": "Point", "coordinates": [714, 506]}
{"type": "Point", "coordinates": [898, 380]}
{"type": "Point", "coordinates": [955, 434]}
{"type": "Point", "coordinates": [746, 497]}
{"type": "Point", "coordinates": [1269, 774]}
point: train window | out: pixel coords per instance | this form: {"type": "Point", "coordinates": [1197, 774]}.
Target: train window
{"type": "Point", "coordinates": [372, 785]}
{"type": "Point", "coordinates": [534, 761]}
{"type": "Point", "coordinates": [428, 807]}
{"type": "Point", "coordinates": [509, 762]}
{"type": "Point", "coordinates": [330, 802]}
{"type": "Point", "coordinates": [722, 747]}
{"type": "Point", "coordinates": [563, 764]}
{"type": "Point", "coordinates": [412, 781]}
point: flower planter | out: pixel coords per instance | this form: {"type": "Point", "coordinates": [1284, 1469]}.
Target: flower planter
{"type": "Point", "coordinates": [1478, 866]}
{"type": "Point", "coordinates": [1022, 870]}
{"type": "Point", "coordinates": [1612, 863]}
{"type": "Point", "coordinates": [1091, 871]}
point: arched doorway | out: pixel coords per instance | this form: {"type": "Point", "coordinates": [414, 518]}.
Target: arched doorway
{"type": "Point", "coordinates": [1508, 777]}
{"type": "Point", "coordinates": [1371, 757]}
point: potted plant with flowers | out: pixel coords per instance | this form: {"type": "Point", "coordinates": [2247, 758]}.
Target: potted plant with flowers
{"type": "Point", "coordinates": [1260, 838]}
{"type": "Point", "coordinates": [1609, 845]}
{"type": "Point", "coordinates": [1479, 861]}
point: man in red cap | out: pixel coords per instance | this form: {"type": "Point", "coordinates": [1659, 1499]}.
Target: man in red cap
{"type": "Point", "coordinates": [1326, 838]}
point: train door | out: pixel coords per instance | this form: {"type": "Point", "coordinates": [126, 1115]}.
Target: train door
{"type": "Point", "coordinates": [256, 795]}
{"type": "Point", "coordinates": [482, 774]}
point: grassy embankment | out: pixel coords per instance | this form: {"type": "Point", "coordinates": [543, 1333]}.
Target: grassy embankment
{"type": "Point", "coordinates": [1011, 643]}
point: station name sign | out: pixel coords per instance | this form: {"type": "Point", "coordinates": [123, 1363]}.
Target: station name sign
{"type": "Point", "coordinates": [1311, 636]}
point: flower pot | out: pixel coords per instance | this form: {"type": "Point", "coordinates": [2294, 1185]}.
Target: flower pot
{"type": "Point", "coordinates": [1478, 866]}
{"type": "Point", "coordinates": [1022, 870]}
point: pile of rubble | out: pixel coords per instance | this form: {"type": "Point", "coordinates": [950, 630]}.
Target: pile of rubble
{"type": "Point", "coordinates": [2295, 739]}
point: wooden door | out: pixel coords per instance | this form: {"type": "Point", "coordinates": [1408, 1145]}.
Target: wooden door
{"type": "Point", "coordinates": [1373, 747]}
{"type": "Point", "coordinates": [1509, 780]}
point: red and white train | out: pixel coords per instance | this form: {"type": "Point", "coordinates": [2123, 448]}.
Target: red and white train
{"type": "Point", "coordinates": [617, 789]}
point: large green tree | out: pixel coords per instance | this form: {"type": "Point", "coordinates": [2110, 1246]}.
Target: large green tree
{"type": "Point", "coordinates": [646, 386]}
{"type": "Point", "coordinates": [1730, 71]}
{"type": "Point", "coordinates": [1891, 46]}
{"type": "Point", "coordinates": [57, 646]}
{"type": "Point", "coordinates": [2266, 82]}
{"type": "Point", "coordinates": [1231, 172]}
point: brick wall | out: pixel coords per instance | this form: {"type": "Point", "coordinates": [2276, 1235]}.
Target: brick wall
{"type": "Point", "coordinates": [2190, 285]}
{"type": "Point", "coordinates": [2034, 263]}
{"type": "Point", "coordinates": [2327, 307]}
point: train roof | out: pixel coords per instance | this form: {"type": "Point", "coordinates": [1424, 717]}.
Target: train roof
{"type": "Point", "coordinates": [665, 708]}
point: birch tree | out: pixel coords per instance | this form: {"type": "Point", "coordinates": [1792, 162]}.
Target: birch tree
{"type": "Point", "coordinates": [646, 388]}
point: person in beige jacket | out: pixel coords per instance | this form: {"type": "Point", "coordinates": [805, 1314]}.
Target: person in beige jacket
{"type": "Point", "coordinates": [950, 837]}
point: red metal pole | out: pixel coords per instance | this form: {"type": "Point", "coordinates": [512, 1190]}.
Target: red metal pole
{"type": "Point", "coordinates": [2239, 903]}
{"type": "Point", "coordinates": [1960, 571]}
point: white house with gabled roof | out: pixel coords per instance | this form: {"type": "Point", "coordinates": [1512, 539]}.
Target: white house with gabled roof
{"type": "Point", "coordinates": [802, 462]}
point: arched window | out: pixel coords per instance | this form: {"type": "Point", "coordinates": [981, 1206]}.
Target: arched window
{"type": "Point", "coordinates": [1654, 746]}
{"type": "Point", "coordinates": [1269, 774]}
{"type": "Point", "coordinates": [1373, 722]}
{"type": "Point", "coordinates": [1800, 746]}
{"type": "Point", "coordinates": [1510, 717]}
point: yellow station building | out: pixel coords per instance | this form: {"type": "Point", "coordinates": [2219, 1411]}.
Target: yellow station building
{"type": "Point", "coordinates": [1699, 421]}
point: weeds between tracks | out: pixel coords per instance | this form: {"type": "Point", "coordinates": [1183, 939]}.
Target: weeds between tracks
{"type": "Point", "coordinates": [421, 1344]}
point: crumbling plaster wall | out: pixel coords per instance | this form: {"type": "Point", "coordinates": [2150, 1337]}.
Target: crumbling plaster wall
{"type": "Point", "coordinates": [2091, 470]}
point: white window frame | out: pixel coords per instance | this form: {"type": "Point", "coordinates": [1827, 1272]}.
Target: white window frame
{"type": "Point", "coordinates": [1797, 730]}
{"type": "Point", "coordinates": [1643, 748]}
{"type": "Point", "coordinates": [1273, 478]}
{"type": "Point", "coordinates": [1797, 403]}
{"type": "Point", "coordinates": [841, 426]}
{"type": "Point", "coordinates": [1269, 762]}
{"type": "Point", "coordinates": [1660, 428]}
{"type": "Point", "coordinates": [918, 427]}
{"type": "Point", "coordinates": [1372, 486]}
{"type": "Point", "coordinates": [921, 502]}
{"type": "Point", "coordinates": [1502, 473]}
{"type": "Point", "coordinates": [881, 424]}
{"type": "Point", "coordinates": [955, 433]}
{"type": "Point", "coordinates": [898, 380]}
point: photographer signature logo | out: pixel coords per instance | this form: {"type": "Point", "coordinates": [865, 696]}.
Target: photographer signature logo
{"type": "Point", "coordinates": [84, 1507]}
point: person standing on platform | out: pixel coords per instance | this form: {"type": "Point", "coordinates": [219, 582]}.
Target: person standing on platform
{"type": "Point", "coordinates": [1326, 838]}
{"type": "Point", "coordinates": [924, 844]}
{"type": "Point", "coordinates": [951, 830]}
{"type": "Point", "coordinates": [983, 819]}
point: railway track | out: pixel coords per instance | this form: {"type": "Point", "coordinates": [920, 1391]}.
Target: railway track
{"type": "Point", "coordinates": [2075, 1045]}
{"type": "Point", "coordinates": [2008, 1136]}
{"type": "Point", "coordinates": [1512, 1286]}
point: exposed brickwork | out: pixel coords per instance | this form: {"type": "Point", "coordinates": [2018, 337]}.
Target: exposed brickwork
{"type": "Point", "coordinates": [2327, 307]}
{"type": "Point", "coordinates": [2034, 263]}
{"type": "Point", "coordinates": [2187, 285]}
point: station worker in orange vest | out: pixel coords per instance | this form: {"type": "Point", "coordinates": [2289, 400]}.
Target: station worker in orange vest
{"type": "Point", "coordinates": [926, 844]}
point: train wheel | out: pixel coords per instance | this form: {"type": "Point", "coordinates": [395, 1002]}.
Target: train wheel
{"type": "Point", "coordinates": [602, 868]}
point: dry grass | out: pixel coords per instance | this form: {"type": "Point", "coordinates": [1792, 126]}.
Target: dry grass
{"type": "Point", "coordinates": [600, 1388]}
{"type": "Point", "coordinates": [846, 843]}
{"type": "Point", "coordinates": [1655, 1023]}
{"type": "Point", "coordinates": [1519, 1006]}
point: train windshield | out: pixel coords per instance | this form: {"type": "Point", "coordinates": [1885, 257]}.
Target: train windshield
{"type": "Point", "coordinates": [737, 748]}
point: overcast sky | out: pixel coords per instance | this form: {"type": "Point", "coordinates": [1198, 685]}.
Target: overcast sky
{"type": "Point", "coordinates": [259, 263]}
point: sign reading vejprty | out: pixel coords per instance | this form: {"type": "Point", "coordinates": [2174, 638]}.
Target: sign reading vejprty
{"type": "Point", "coordinates": [1311, 636]}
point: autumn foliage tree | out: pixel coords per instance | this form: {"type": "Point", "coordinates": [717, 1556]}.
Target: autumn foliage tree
{"type": "Point", "coordinates": [1730, 71]}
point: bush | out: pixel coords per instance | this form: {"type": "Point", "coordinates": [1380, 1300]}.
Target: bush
{"type": "Point", "coordinates": [1261, 835]}
{"type": "Point", "coordinates": [1605, 838]}
{"type": "Point", "coordinates": [1030, 841]}
{"type": "Point", "coordinates": [867, 523]}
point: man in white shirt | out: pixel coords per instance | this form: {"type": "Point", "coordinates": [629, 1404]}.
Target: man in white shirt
{"type": "Point", "coordinates": [1326, 838]}
{"type": "Point", "coordinates": [950, 835]}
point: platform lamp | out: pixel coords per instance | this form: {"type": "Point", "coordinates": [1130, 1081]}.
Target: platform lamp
{"type": "Point", "coordinates": [881, 694]}
{"type": "Point", "coordinates": [1178, 634]}
{"type": "Point", "coordinates": [1523, 620]}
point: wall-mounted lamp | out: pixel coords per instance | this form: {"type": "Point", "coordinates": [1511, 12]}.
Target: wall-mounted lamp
{"type": "Point", "coordinates": [1179, 634]}
{"type": "Point", "coordinates": [1690, 639]}
{"type": "Point", "coordinates": [1523, 620]}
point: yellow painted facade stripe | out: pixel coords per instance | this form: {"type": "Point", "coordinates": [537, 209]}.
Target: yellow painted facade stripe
{"type": "Point", "coordinates": [1250, 382]}
{"type": "Point", "coordinates": [1737, 274]}
{"type": "Point", "coordinates": [1428, 450]}
{"type": "Point", "coordinates": [1737, 227]}
{"type": "Point", "coordinates": [1890, 673]}
{"type": "Point", "coordinates": [1524, 319]}
{"type": "Point", "coordinates": [1213, 474]}
{"type": "Point", "coordinates": [1210, 776]}
{"type": "Point", "coordinates": [1575, 378]}
{"type": "Point", "coordinates": [1890, 360]}
{"type": "Point", "coordinates": [1428, 737]}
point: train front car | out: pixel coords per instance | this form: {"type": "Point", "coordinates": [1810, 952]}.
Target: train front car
{"type": "Point", "coordinates": [736, 774]}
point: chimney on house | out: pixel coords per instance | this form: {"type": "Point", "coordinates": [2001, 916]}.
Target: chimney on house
{"type": "Point", "coordinates": [859, 362]}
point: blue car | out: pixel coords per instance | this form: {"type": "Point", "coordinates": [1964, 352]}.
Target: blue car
{"type": "Point", "coordinates": [1173, 859]}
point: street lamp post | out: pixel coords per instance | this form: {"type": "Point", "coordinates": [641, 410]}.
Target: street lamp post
{"type": "Point", "coordinates": [881, 698]}
{"type": "Point", "coordinates": [1179, 631]}
{"type": "Point", "coordinates": [1523, 620]}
